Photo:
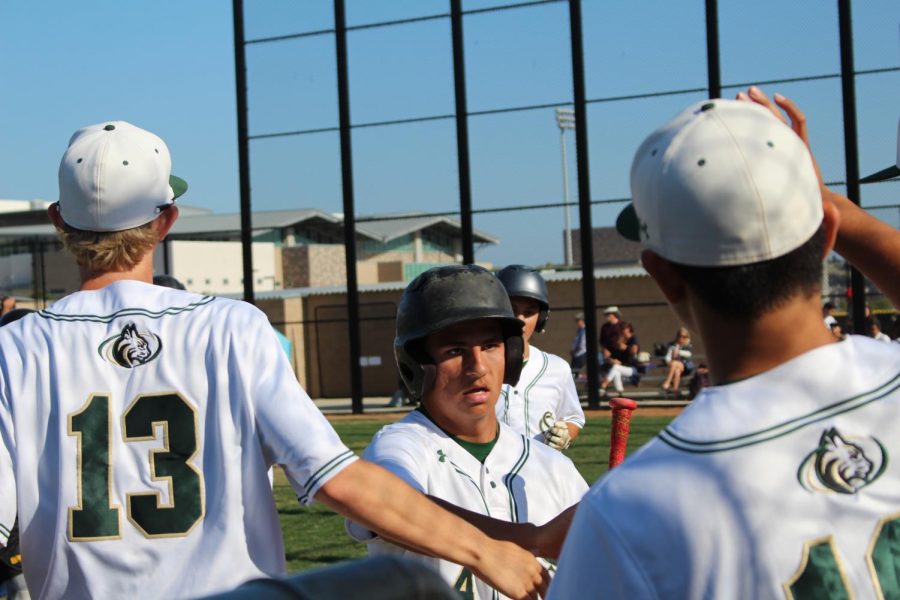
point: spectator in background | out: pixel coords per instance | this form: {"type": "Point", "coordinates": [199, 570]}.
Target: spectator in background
{"type": "Point", "coordinates": [678, 357]}
{"type": "Point", "coordinates": [836, 331]}
{"type": "Point", "coordinates": [7, 303]}
{"type": "Point", "coordinates": [579, 344]}
{"type": "Point", "coordinates": [875, 331]}
{"type": "Point", "coordinates": [828, 314]}
{"type": "Point", "coordinates": [610, 332]}
{"type": "Point", "coordinates": [623, 360]}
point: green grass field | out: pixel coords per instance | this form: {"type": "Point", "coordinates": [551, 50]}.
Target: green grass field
{"type": "Point", "coordinates": [315, 536]}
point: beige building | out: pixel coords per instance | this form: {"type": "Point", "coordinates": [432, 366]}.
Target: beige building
{"type": "Point", "coordinates": [315, 320]}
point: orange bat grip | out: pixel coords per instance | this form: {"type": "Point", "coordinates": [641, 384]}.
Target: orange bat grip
{"type": "Point", "coordinates": [622, 408]}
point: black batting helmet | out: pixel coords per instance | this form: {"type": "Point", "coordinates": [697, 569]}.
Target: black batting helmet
{"type": "Point", "coordinates": [524, 282]}
{"type": "Point", "coordinates": [445, 296]}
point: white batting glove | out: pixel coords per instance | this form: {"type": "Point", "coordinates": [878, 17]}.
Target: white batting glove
{"type": "Point", "coordinates": [558, 436]}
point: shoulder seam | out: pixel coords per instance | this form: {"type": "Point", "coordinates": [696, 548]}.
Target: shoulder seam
{"type": "Point", "coordinates": [783, 428]}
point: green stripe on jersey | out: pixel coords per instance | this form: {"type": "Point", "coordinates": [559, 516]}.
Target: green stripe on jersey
{"type": "Point", "coordinates": [127, 312]}
{"type": "Point", "coordinates": [782, 429]}
{"type": "Point", "coordinates": [509, 477]}
{"type": "Point", "coordinates": [528, 389]}
{"type": "Point", "coordinates": [324, 470]}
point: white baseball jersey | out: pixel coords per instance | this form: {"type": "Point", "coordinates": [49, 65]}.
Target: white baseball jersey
{"type": "Point", "coordinates": [545, 394]}
{"type": "Point", "coordinates": [138, 424]}
{"type": "Point", "coordinates": [778, 486]}
{"type": "Point", "coordinates": [520, 481]}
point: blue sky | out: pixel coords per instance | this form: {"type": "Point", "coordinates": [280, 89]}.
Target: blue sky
{"type": "Point", "coordinates": [168, 66]}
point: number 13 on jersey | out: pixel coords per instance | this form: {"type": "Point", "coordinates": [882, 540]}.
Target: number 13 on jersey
{"type": "Point", "coordinates": [96, 517]}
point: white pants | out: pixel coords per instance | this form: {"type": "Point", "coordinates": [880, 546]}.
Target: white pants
{"type": "Point", "coordinates": [615, 375]}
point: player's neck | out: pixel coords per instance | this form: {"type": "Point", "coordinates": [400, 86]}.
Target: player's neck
{"type": "Point", "coordinates": [143, 271]}
{"type": "Point", "coordinates": [736, 349]}
{"type": "Point", "coordinates": [481, 432]}
{"type": "Point", "coordinates": [527, 351]}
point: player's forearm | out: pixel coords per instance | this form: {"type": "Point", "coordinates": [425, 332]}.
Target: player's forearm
{"type": "Point", "coordinates": [574, 430]}
{"type": "Point", "coordinates": [870, 245]}
{"type": "Point", "coordinates": [551, 535]}
{"type": "Point", "coordinates": [381, 502]}
{"type": "Point", "coordinates": [521, 534]}
{"type": "Point", "coordinates": [545, 540]}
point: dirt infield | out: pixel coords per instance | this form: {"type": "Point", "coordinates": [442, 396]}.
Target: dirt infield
{"type": "Point", "coordinates": [647, 411]}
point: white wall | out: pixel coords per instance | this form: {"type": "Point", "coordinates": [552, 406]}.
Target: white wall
{"type": "Point", "coordinates": [22, 205]}
{"type": "Point", "coordinates": [217, 267]}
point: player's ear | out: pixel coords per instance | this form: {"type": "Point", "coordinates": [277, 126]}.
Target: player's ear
{"type": "Point", "coordinates": [55, 216]}
{"type": "Point", "coordinates": [666, 276]}
{"type": "Point", "coordinates": [163, 223]}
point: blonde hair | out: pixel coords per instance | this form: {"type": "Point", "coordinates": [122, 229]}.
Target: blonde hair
{"type": "Point", "coordinates": [109, 251]}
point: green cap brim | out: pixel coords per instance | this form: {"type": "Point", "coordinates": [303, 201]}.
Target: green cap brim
{"type": "Point", "coordinates": [882, 175]}
{"type": "Point", "coordinates": [178, 185]}
{"type": "Point", "coordinates": [627, 224]}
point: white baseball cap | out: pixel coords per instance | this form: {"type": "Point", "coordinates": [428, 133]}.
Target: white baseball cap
{"type": "Point", "coordinates": [890, 172]}
{"type": "Point", "coordinates": [724, 183]}
{"type": "Point", "coordinates": [115, 176]}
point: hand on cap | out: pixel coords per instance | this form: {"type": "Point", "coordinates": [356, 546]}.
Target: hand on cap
{"type": "Point", "coordinates": [797, 123]}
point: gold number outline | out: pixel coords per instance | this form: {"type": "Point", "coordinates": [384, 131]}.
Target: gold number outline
{"type": "Point", "coordinates": [166, 478]}
{"type": "Point", "coordinates": [78, 474]}
{"type": "Point", "coordinates": [805, 559]}
{"type": "Point", "coordinates": [870, 552]}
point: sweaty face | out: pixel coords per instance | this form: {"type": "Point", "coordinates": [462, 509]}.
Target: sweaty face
{"type": "Point", "coordinates": [469, 360]}
{"type": "Point", "coordinates": [528, 311]}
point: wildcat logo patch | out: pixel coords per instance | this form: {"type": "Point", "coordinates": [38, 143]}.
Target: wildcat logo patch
{"type": "Point", "coordinates": [130, 348]}
{"type": "Point", "coordinates": [842, 464]}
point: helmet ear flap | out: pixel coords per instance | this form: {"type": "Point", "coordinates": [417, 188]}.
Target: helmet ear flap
{"type": "Point", "coordinates": [412, 372]}
{"type": "Point", "coordinates": [542, 320]}
{"type": "Point", "coordinates": [416, 370]}
{"type": "Point", "coordinates": [514, 346]}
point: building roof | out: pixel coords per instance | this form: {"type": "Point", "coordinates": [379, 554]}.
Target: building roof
{"type": "Point", "coordinates": [388, 227]}
{"type": "Point", "coordinates": [230, 223]}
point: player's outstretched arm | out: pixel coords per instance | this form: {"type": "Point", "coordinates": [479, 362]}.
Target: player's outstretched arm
{"type": "Point", "coordinates": [541, 540]}
{"type": "Point", "coordinates": [383, 503]}
{"type": "Point", "coordinates": [869, 244]}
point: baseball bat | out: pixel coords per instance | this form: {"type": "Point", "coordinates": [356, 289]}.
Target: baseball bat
{"type": "Point", "coordinates": [622, 408]}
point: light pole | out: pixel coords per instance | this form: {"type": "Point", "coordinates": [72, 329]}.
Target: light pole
{"type": "Point", "coordinates": [565, 119]}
